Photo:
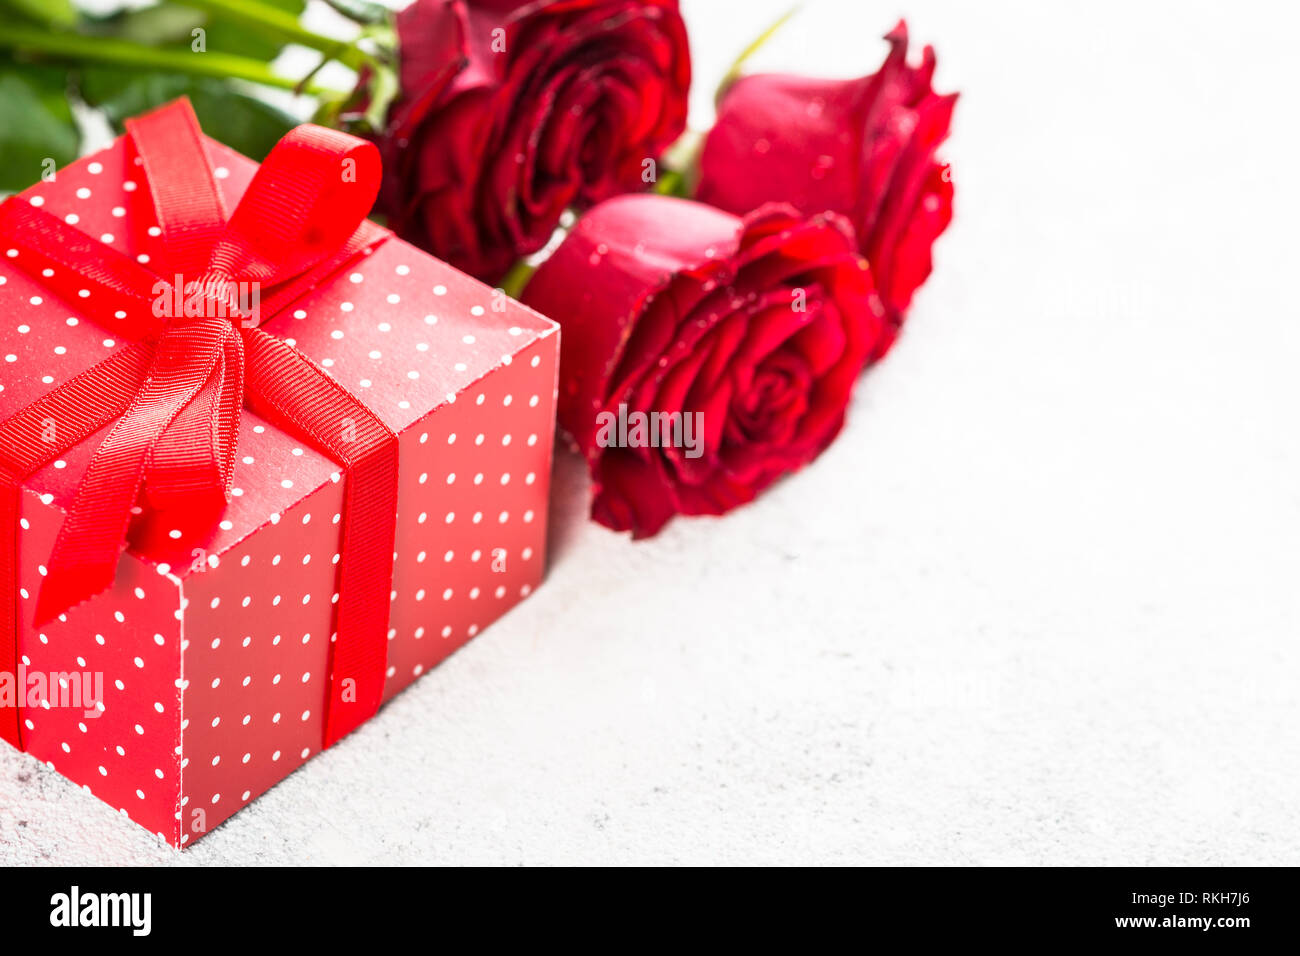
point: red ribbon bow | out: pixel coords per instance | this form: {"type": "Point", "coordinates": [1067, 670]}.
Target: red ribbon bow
{"type": "Point", "coordinates": [176, 393]}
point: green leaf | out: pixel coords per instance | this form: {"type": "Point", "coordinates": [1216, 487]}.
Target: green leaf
{"type": "Point", "coordinates": [55, 13]}
{"type": "Point", "coordinates": [163, 25]}
{"type": "Point", "coordinates": [237, 38]}
{"type": "Point", "coordinates": [115, 90]}
{"type": "Point", "coordinates": [36, 125]}
{"type": "Point", "coordinates": [242, 122]}
{"type": "Point", "coordinates": [361, 11]}
{"type": "Point", "coordinates": [169, 24]}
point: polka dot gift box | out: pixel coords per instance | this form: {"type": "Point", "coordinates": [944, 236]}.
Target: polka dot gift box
{"type": "Point", "coordinates": [263, 464]}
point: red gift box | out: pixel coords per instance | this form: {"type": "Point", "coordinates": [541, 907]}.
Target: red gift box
{"type": "Point", "coordinates": [203, 674]}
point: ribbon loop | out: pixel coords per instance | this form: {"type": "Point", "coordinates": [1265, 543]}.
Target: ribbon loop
{"type": "Point", "coordinates": [186, 200]}
{"type": "Point", "coordinates": [192, 462]}
{"type": "Point", "coordinates": [86, 550]}
{"type": "Point", "coordinates": [305, 202]}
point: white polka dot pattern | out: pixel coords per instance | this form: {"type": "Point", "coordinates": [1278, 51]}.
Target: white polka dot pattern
{"type": "Point", "coordinates": [214, 641]}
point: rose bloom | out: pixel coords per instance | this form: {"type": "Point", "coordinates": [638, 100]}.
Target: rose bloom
{"type": "Point", "coordinates": [864, 148]}
{"type": "Point", "coordinates": [703, 355]}
{"type": "Point", "coordinates": [511, 112]}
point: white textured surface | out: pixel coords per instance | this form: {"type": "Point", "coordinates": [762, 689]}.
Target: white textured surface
{"type": "Point", "coordinates": [1038, 604]}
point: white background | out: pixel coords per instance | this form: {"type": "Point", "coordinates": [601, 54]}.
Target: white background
{"type": "Point", "coordinates": [1037, 605]}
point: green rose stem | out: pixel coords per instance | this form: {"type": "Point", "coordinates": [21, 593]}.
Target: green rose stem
{"type": "Point", "coordinates": [680, 164]}
{"type": "Point", "coordinates": [681, 160]}
{"type": "Point", "coordinates": [738, 65]}
{"type": "Point", "coordinates": [87, 49]}
{"type": "Point", "coordinates": [284, 26]}
{"type": "Point", "coordinates": [518, 276]}
{"type": "Point", "coordinates": [676, 179]}
{"type": "Point", "coordinates": [672, 183]}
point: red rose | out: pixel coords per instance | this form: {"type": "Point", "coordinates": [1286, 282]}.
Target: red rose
{"type": "Point", "coordinates": [864, 148]}
{"type": "Point", "coordinates": [702, 355]}
{"type": "Point", "coordinates": [511, 112]}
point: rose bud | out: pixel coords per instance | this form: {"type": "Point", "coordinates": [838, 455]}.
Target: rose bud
{"type": "Point", "coordinates": [511, 112]}
{"type": "Point", "coordinates": [703, 355]}
{"type": "Point", "coordinates": [864, 148]}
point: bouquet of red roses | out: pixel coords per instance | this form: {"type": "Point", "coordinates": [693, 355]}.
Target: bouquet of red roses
{"type": "Point", "coordinates": [719, 296]}
{"type": "Point", "coordinates": [709, 346]}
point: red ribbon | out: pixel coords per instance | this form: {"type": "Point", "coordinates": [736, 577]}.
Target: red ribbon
{"type": "Point", "coordinates": [174, 396]}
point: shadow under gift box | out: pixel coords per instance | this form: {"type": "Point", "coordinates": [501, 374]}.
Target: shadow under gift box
{"type": "Point", "coordinates": [214, 641]}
